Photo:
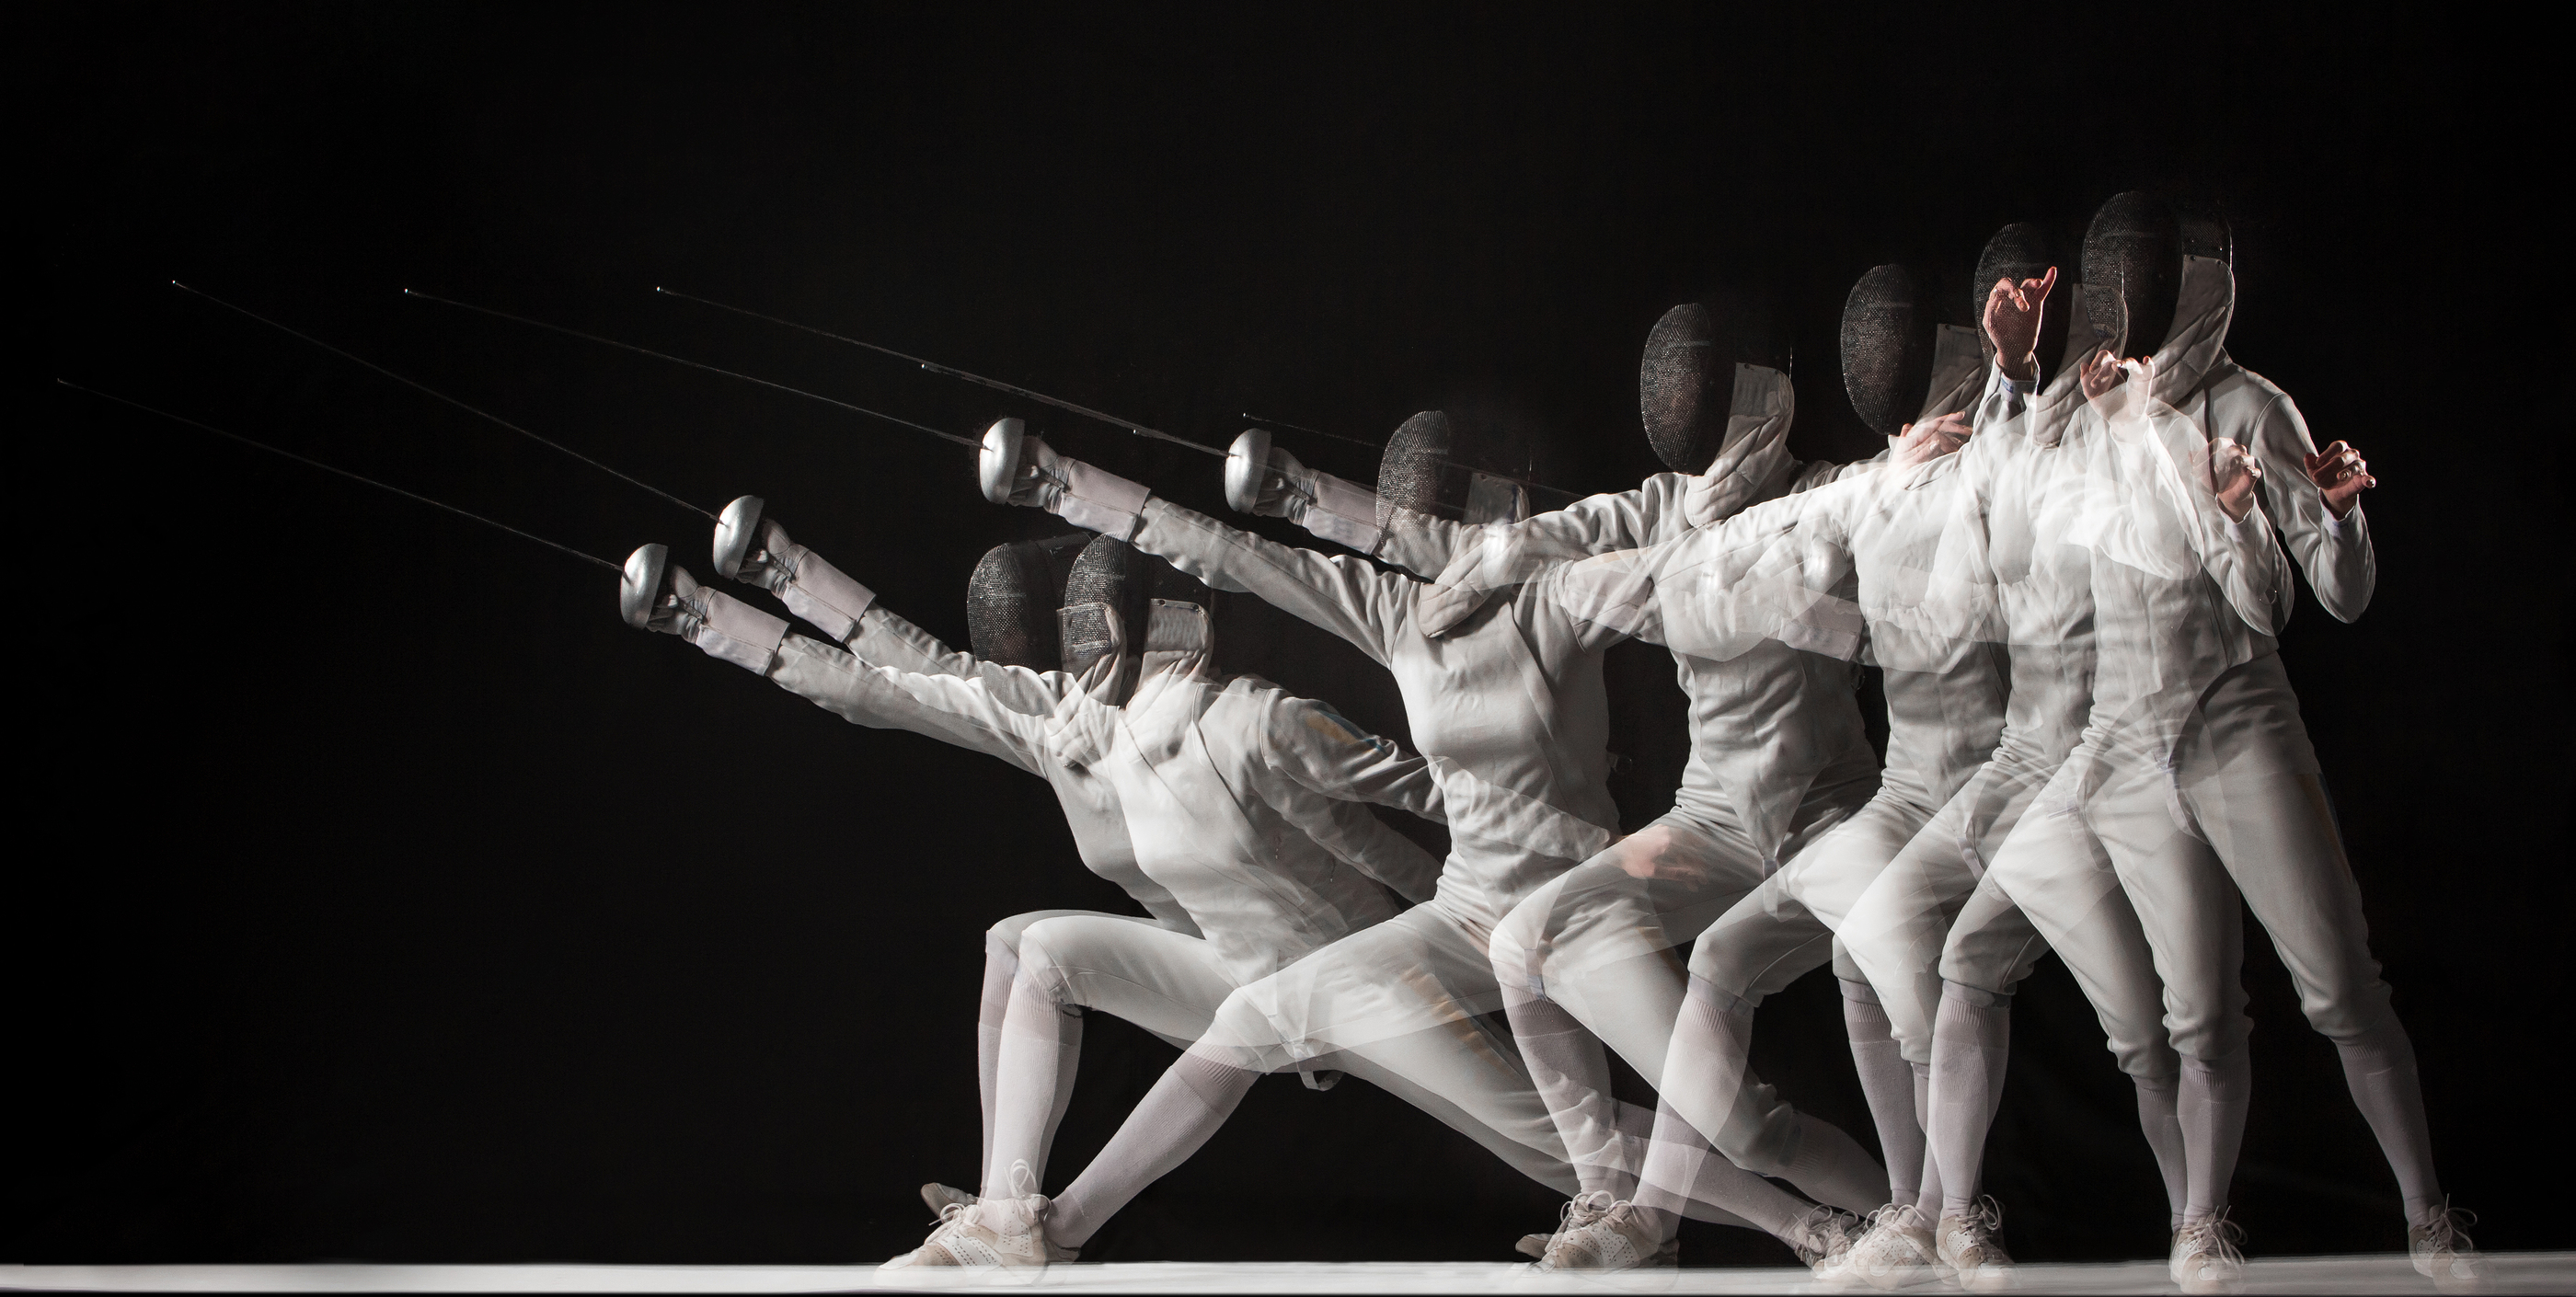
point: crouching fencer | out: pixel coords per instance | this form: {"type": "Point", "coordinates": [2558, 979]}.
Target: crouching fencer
{"type": "Point", "coordinates": [1233, 895]}
{"type": "Point", "coordinates": [1511, 694]}
{"type": "Point", "coordinates": [2195, 777]}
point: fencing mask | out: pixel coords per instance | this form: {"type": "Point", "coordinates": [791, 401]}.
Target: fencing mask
{"type": "Point", "coordinates": [2133, 272]}
{"type": "Point", "coordinates": [1449, 466]}
{"type": "Point", "coordinates": [1707, 365]}
{"type": "Point", "coordinates": [1012, 598]}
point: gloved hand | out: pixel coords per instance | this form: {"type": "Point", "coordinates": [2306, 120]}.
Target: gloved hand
{"type": "Point", "coordinates": [1060, 484]}
{"type": "Point", "coordinates": [659, 595]}
{"type": "Point", "coordinates": [755, 549]}
{"type": "Point", "coordinates": [1326, 505]}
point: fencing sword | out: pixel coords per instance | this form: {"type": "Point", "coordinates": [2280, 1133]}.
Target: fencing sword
{"type": "Point", "coordinates": [424, 387]}
{"type": "Point", "coordinates": [1138, 429]}
{"type": "Point", "coordinates": [1246, 459]}
{"type": "Point", "coordinates": [310, 462]}
{"type": "Point", "coordinates": [693, 364]}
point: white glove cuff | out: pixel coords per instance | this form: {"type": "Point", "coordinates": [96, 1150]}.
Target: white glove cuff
{"type": "Point", "coordinates": [1343, 512]}
{"type": "Point", "coordinates": [820, 593]}
{"type": "Point", "coordinates": [730, 630]}
{"type": "Point", "coordinates": [1098, 501]}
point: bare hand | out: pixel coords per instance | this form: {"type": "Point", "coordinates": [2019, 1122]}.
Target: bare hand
{"type": "Point", "coordinates": [2012, 322]}
{"type": "Point", "coordinates": [1921, 443]}
{"type": "Point", "coordinates": [2102, 374]}
{"type": "Point", "coordinates": [2342, 474]}
{"type": "Point", "coordinates": [2234, 473]}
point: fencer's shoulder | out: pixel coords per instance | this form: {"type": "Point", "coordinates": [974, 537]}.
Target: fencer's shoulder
{"type": "Point", "coordinates": [2232, 382]}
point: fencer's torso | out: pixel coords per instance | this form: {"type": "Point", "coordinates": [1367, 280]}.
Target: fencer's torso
{"type": "Point", "coordinates": [1772, 726]}
{"type": "Point", "coordinates": [1513, 696]}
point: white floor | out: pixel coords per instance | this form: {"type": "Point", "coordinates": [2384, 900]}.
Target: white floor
{"type": "Point", "coordinates": [2525, 1272]}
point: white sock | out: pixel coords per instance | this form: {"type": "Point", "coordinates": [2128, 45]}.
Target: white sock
{"type": "Point", "coordinates": [2162, 1125]}
{"type": "Point", "coordinates": [1040, 1046]}
{"type": "Point", "coordinates": [1889, 1084]}
{"type": "Point", "coordinates": [1971, 1043]}
{"type": "Point", "coordinates": [2211, 1110]}
{"type": "Point", "coordinates": [1176, 1117]}
{"type": "Point", "coordinates": [1830, 1166]}
{"type": "Point", "coordinates": [1571, 1069]}
{"type": "Point", "coordinates": [1684, 1176]}
{"type": "Point", "coordinates": [1928, 1195]}
{"type": "Point", "coordinates": [2380, 1068]}
{"type": "Point", "coordinates": [1001, 967]}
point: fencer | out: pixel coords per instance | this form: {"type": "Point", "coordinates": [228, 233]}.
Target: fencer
{"type": "Point", "coordinates": [1870, 539]}
{"type": "Point", "coordinates": [2195, 774]}
{"type": "Point", "coordinates": [1944, 937]}
{"type": "Point", "coordinates": [1778, 756]}
{"type": "Point", "coordinates": [1168, 975]}
{"type": "Point", "coordinates": [1512, 693]}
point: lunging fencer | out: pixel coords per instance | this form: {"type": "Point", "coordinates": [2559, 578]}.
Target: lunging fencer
{"type": "Point", "coordinates": [1234, 895]}
{"type": "Point", "coordinates": [1511, 691]}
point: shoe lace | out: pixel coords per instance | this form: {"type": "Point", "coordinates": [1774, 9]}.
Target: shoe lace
{"type": "Point", "coordinates": [1024, 1179]}
{"type": "Point", "coordinates": [1591, 1206]}
{"type": "Point", "coordinates": [2218, 1235]}
{"type": "Point", "coordinates": [2442, 1230]}
{"type": "Point", "coordinates": [1826, 1230]}
{"type": "Point", "coordinates": [1892, 1216]}
{"type": "Point", "coordinates": [1986, 1214]}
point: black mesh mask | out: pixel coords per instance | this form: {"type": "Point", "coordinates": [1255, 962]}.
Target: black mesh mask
{"type": "Point", "coordinates": [1455, 466]}
{"type": "Point", "coordinates": [1686, 379]}
{"type": "Point", "coordinates": [2017, 252]}
{"type": "Point", "coordinates": [1011, 602]}
{"type": "Point", "coordinates": [1108, 571]}
{"type": "Point", "coordinates": [1887, 346]}
{"type": "Point", "coordinates": [2133, 271]}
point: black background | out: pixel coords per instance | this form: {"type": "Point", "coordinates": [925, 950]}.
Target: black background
{"type": "Point", "coordinates": [378, 895]}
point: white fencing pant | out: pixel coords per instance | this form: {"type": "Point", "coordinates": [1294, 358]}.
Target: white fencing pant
{"type": "Point", "coordinates": [1589, 959]}
{"type": "Point", "coordinates": [2049, 885]}
{"type": "Point", "coordinates": [1166, 982]}
{"type": "Point", "coordinates": [1775, 934]}
{"type": "Point", "coordinates": [2238, 809]}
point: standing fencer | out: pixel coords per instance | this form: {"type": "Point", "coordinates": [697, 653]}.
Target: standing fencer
{"type": "Point", "coordinates": [2195, 774]}
{"type": "Point", "coordinates": [1944, 936]}
{"type": "Point", "coordinates": [1512, 693]}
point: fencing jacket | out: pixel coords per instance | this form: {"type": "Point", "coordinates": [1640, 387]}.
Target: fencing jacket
{"type": "Point", "coordinates": [1509, 707]}
{"type": "Point", "coordinates": [1232, 791]}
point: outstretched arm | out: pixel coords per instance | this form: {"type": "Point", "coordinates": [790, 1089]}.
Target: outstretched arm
{"type": "Point", "coordinates": [1344, 596]}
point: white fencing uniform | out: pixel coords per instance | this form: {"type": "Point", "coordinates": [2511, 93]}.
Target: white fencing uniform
{"type": "Point", "coordinates": [1509, 708]}
{"type": "Point", "coordinates": [2199, 781]}
{"type": "Point", "coordinates": [1877, 537]}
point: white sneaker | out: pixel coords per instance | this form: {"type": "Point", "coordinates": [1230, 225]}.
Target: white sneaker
{"type": "Point", "coordinates": [2445, 1255]}
{"type": "Point", "coordinates": [987, 1233]}
{"type": "Point", "coordinates": [937, 1196]}
{"type": "Point", "coordinates": [1967, 1245]}
{"type": "Point", "coordinates": [1581, 1209]}
{"type": "Point", "coordinates": [1619, 1237]}
{"type": "Point", "coordinates": [1824, 1239]}
{"type": "Point", "coordinates": [1898, 1250]}
{"type": "Point", "coordinates": [2205, 1256]}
